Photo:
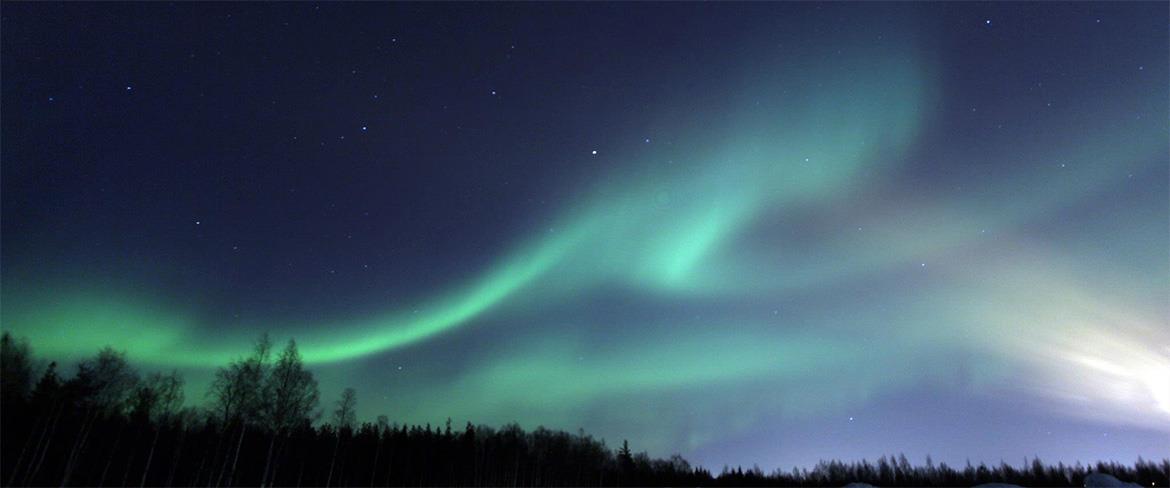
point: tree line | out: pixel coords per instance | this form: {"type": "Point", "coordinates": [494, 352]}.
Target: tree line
{"type": "Point", "coordinates": [263, 425]}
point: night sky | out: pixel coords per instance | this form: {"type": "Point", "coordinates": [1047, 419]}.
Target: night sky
{"type": "Point", "coordinates": [747, 233]}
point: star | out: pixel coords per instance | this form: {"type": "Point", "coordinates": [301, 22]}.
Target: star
{"type": "Point", "coordinates": [493, 93]}
{"type": "Point", "coordinates": [363, 128]}
{"type": "Point", "coordinates": [198, 222]}
{"type": "Point", "coordinates": [988, 21]}
{"type": "Point", "coordinates": [128, 88]}
{"type": "Point", "coordinates": [594, 152]}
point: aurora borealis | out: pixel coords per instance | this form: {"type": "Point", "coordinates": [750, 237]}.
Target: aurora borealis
{"type": "Point", "coordinates": [749, 233]}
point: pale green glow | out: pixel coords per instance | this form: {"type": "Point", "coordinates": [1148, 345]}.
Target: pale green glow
{"type": "Point", "coordinates": [624, 235]}
{"type": "Point", "coordinates": [1021, 324]}
{"type": "Point", "coordinates": [823, 146]}
{"type": "Point", "coordinates": [641, 386]}
{"type": "Point", "coordinates": [70, 325]}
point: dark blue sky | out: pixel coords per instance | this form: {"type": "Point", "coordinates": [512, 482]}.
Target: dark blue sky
{"type": "Point", "coordinates": [750, 233]}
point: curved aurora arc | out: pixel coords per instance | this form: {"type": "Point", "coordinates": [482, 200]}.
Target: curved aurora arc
{"type": "Point", "coordinates": [632, 233]}
{"type": "Point", "coordinates": [812, 143]}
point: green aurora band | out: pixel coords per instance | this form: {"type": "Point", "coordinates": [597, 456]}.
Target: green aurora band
{"type": "Point", "coordinates": [662, 231]}
{"type": "Point", "coordinates": [822, 145]}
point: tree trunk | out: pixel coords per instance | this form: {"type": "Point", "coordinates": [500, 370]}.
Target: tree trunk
{"type": "Point", "coordinates": [374, 468]}
{"type": "Point", "coordinates": [149, 457]}
{"type": "Point", "coordinates": [334, 461]}
{"type": "Point", "coordinates": [268, 460]}
{"type": "Point", "coordinates": [236, 457]}
{"type": "Point", "coordinates": [37, 428]}
{"type": "Point", "coordinates": [78, 446]}
{"type": "Point", "coordinates": [129, 464]}
{"type": "Point", "coordinates": [177, 456]}
{"type": "Point", "coordinates": [276, 461]}
{"type": "Point", "coordinates": [110, 459]}
{"type": "Point", "coordinates": [390, 466]}
{"type": "Point", "coordinates": [43, 449]}
{"type": "Point", "coordinates": [203, 462]}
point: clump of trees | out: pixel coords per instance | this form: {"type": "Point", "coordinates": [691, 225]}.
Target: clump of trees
{"type": "Point", "coordinates": [261, 426]}
{"type": "Point", "coordinates": [897, 471]}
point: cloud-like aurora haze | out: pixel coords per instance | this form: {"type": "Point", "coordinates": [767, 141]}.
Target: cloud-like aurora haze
{"type": "Point", "coordinates": [787, 269]}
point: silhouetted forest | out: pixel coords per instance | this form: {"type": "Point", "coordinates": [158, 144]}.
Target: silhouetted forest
{"type": "Point", "coordinates": [264, 424]}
